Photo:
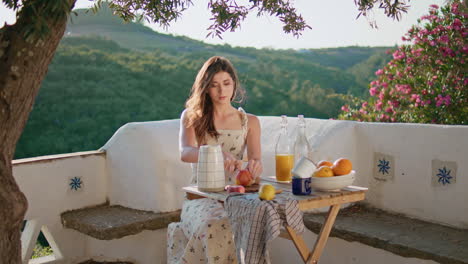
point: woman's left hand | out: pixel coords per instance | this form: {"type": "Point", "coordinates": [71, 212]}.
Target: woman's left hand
{"type": "Point", "coordinates": [255, 168]}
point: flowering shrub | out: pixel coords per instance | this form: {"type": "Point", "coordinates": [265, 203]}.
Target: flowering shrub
{"type": "Point", "coordinates": [426, 82]}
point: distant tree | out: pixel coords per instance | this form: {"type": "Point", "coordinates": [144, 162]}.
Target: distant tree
{"type": "Point", "coordinates": [28, 46]}
{"type": "Point", "coordinates": [426, 81]}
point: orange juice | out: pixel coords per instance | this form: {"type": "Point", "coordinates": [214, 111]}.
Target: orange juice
{"type": "Point", "coordinates": [284, 165]}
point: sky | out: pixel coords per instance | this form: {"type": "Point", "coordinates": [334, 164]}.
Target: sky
{"type": "Point", "coordinates": [333, 24]}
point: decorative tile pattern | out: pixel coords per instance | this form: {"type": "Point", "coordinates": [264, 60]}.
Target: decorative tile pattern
{"type": "Point", "coordinates": [444, 173]}
{"type": "Point", "coordinates": [384, 166]}
{"type": "Point", "coordinates": [75, 183]}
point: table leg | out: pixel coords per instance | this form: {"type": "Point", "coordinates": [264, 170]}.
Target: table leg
{"type": "Point", "coordinates": [323, 235]}
{"type": "Point", "coordinates": [299, 242]}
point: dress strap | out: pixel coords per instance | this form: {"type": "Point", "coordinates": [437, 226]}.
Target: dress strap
{"type": "Point", "coordinates": [245, 121]}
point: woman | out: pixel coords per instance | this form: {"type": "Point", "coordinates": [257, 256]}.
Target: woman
{"type": "Point", "coordinates": [204, 234]}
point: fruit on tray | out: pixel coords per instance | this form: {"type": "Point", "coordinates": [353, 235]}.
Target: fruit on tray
{"type": "Point", "coordinates": [323, 171]}
{"type": "Point", "coordinates": [234, 188]}
{"type": "Point", "coordinates": [244, 178]}
{"type": "Point", "coordinates": [266, 192]}
{"type": "Point", "coordinates": [342, 166]}
{"type": "Point", "coordinates": [324, 163]}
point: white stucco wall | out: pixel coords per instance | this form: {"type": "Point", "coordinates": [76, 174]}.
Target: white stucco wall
{"type": "Point", "coordinates": [45, 182]}
{"type": "Point", "coordinates": [413, 147]}
{"type": "Point", "coordinates": [147, 247]}
{"type": "Point", "coordinates": [145, 168]}
{"type": "Point", "coordinates": [145, 171]}
{"type": "Point", "coordinates": [142, 170]}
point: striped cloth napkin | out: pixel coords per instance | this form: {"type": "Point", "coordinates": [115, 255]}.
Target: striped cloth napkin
{"type": "Point", "coordinates": [255, 223]}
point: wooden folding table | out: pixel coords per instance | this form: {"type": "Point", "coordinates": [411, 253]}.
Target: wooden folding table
{"type": "Point", "coordinates": [315, 200]}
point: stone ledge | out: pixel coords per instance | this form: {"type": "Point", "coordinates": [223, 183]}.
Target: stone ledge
{"type": "Point", "coordinates": [396, 233]}
{"type": "Point", "coordinates": [105, 262]}
{"type": "Point", "coordinates": [106, 222]}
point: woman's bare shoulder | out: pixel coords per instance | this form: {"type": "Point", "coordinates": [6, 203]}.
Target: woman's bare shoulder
{"type": "Point", "coordinates": [252, 120]}
{"type": "Point", "coordinates": [252, 117]}
{"type": "Point", "coordinates": [184, 114]}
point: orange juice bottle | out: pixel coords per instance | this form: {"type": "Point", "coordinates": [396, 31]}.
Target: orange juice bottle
{"type": "Point", "coordinates": [284, 158]}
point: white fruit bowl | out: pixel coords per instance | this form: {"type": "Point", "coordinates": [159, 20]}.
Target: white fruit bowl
{"type": "Point", "coordinates": [332, 183]}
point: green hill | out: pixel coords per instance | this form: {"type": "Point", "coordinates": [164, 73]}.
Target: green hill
{"type": "Point", "coordinates": [107, 73]}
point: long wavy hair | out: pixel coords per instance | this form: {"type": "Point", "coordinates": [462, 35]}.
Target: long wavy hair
{"type": "Point", "coordinates": [199, 105]}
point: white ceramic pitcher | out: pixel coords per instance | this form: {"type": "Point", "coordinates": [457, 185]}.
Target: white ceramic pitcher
{"type": "Point", "coordinates": [210, 169]}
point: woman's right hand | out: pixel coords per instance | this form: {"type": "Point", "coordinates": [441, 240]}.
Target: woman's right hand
{"type": "Point", "coordinates": [231, 164]}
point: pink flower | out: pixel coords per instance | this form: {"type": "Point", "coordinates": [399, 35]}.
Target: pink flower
{"type": "Point", "coordinates": [383, 117]}
{"type": "Point", "coordinates": [379, 72]}
{"type": "Point", "coordinates": [454, 8]}
{"type": "Point", "coordinates": [448, 100]}
{"type": "Point", "coordinates": [398, 55]}
{"type": "Point", "coordinates": [427, 102]}
{"type": "Point", "coordinates": [446, 51]}
{"type": "Point", "coordinates": [457, 24]}
{"type": "Point", "coordinates": [465, 49]}
{"type": "Point", "coordinates": [444, 39]}
{"type": "Point", "coordinates": [394, 103]}
{"type": "Point", "coordinates": [434, 6]}
{"type": "Point", "coordinates": [417, 52]}
{"type": "Point", "coordinates": [443, 100]}
{"type": "Point", "coordinates": [373, 91]}
{"type": "Point", "coordinates": [364, 105]}
{"type": "Point", "coordinates": [378, 105]}
{"type": "Point", "coordinates": [403, 88]}
{"type": "Point", "coordinates": [389, 110]}
{"type": "Point", "coordinates": [345, 108]}
{"type": "Point", "coordinates": [382, 95]}
{"type": "Point", "coordinates": [416, 98]}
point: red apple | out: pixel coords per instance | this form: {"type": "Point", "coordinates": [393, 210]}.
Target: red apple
{"type": "Point", "coordinates": [244, 178]}
{"type": "Point", "coordinates": [235, 188]}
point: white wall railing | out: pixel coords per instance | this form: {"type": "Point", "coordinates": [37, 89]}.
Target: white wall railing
{"type": "Point", "coordinates": [55, 184]}
{"type": "Point", "coordinates": [141, 169]}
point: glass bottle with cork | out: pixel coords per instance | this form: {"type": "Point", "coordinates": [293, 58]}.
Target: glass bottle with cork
{"type": "Point", "coordinates": [302, 146]}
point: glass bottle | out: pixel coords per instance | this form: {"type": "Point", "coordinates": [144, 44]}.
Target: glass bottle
{"type": "Point", "coordinates": [302, 147]}
{"type": "Point", "coordinates": [284, 154]}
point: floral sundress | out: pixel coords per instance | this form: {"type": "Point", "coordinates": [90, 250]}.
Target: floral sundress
{"type": "Point", "coordinates": [204, 234]}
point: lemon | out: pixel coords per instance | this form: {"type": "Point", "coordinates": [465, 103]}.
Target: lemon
{"type": "Point", "coordinates": [323, 171]}
{"type": "Point", "coordinates": [266, 192]}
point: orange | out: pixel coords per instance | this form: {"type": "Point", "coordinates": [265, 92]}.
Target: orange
{"type": "Point", "coordinates": [342, 166]}
{"type": "Point", "coordinates": [324, 163]}
{"type": "Point", "coordinates": [323, 171]}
